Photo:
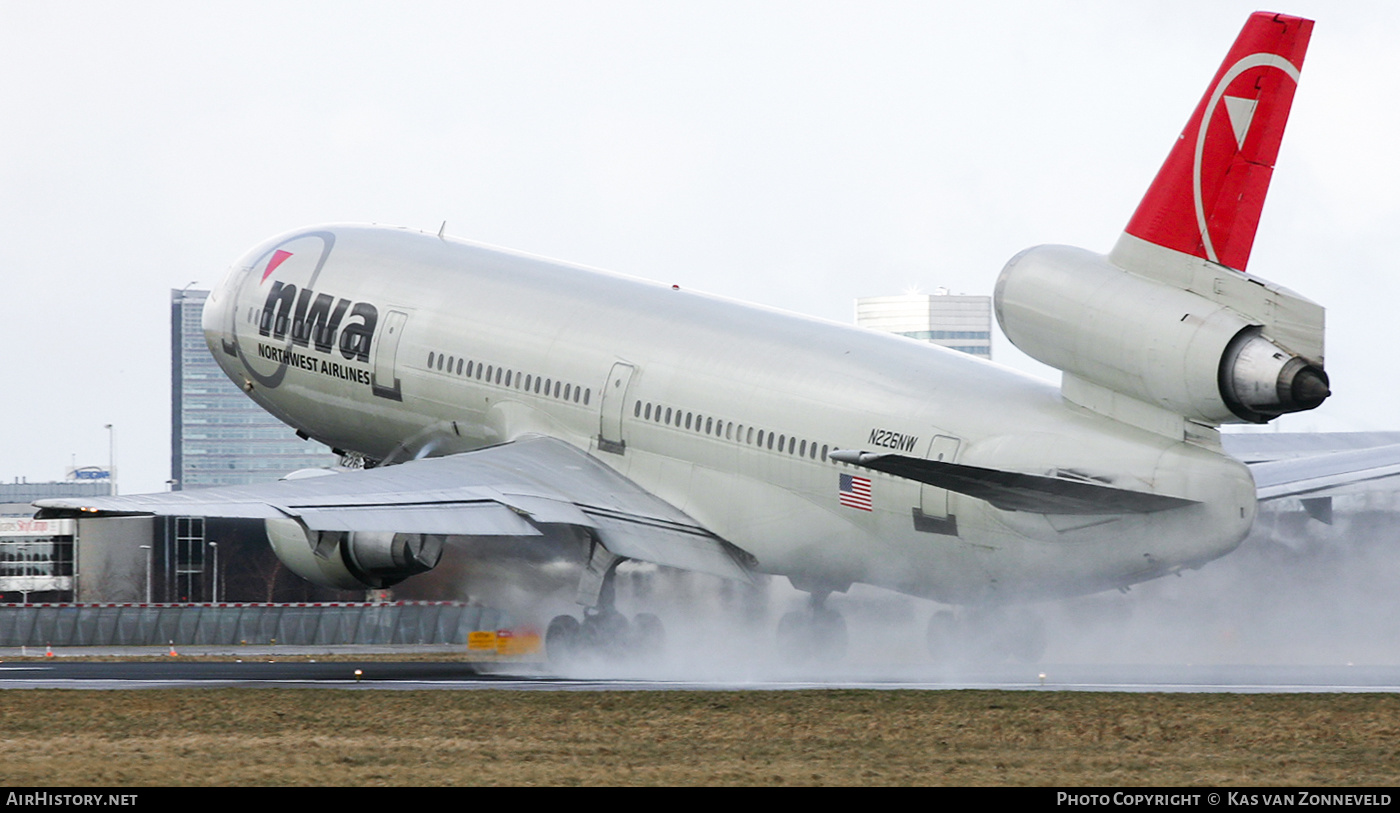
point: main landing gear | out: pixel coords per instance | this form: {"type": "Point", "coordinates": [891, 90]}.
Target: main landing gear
{"type": "Point", "coordinates": [986, 634]}
{"type": "Point", "coordinates": [814, 634]}
{"type": "Point", "coordinates": [603, 633]}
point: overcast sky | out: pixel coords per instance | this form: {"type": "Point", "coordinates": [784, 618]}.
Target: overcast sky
{"type": "Point", "coordinates": [794, 154]}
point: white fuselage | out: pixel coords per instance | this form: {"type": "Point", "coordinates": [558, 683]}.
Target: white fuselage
{"type": "Point", "coordinates": [470, 346]}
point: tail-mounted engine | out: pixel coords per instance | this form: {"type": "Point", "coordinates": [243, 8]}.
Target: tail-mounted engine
{"type": "Point", "coordinates": [1218, 347]}
{"type": "Point", "coordinates": [355, 560]}
{"type": "Point", "coordinates": [1169, 318]}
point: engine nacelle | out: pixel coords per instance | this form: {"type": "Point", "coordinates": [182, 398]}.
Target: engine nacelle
{"type": "Point", "coordinates": [355, 560]}
{"type": "Point", "coordinates": [1167, 346]}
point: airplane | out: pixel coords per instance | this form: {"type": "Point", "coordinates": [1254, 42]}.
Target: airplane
{"type": "Point", "coordinates": [489, 393]}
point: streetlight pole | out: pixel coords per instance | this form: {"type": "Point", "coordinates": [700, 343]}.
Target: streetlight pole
{"type": "Point", "coordinates": [112, 456]}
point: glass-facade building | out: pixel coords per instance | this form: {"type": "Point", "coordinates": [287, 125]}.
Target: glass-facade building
{"type": "Point", "coordinates": [962, 323]}
{"type": "Point", "coordinates": [218, 435]}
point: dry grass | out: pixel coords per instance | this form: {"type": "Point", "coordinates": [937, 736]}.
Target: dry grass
{"type": "Point", "coordinates": [484, 737]}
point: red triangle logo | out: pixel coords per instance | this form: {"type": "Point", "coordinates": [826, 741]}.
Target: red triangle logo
{"type": "Point", "coordinates": [278, 257]}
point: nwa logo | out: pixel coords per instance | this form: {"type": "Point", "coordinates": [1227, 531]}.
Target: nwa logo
{"type": "Point", "coordinates": [293, 318]}
{"type": "Point", "coordinates": [315, 319]}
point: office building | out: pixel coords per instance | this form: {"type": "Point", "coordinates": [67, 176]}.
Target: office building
{"type": "Point", "coordinates": [218, 436]}
{"type": "Point", "coordinates": [961, 323]}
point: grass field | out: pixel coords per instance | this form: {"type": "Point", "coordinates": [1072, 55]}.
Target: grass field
{"type": "Point", "coordinates": [491, 737]}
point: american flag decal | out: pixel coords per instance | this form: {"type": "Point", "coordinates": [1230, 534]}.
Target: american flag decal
{"type": "Point", "coordinates": [855, 492]}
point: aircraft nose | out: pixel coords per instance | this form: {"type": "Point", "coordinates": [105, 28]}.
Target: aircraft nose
{"type": "Point", "coordinates": [217, 320]}
{"type": "Point", "coordinates": [215, 307]}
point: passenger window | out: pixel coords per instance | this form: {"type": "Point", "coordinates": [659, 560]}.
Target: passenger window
{"type": "Point", "coordinates": [430, 359]}
{"type": "Point", "coordinates": [459, 366]}
{"type": "Point", "coordinates": [587, 393]}
{"type": "Point", "coordinates": [637, 410]}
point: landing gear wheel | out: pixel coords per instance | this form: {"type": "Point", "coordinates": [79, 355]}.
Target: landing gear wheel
{"type": "Point", "coordinates": [606, 633]}
{"type": "Point", "coordinates": [810, 636]}
{"type": "Point", "coordinates": [986, 635]}
{"type": "Point", "coordinates": [561, 639]}
{"type": "Point", "coordinates": [648, 635]}
{"type": "Point", "coordinates": [831, 635]}
{"type": "Point", "coordinates": [1025, 638]}
{"type": "Point", "coordinates": [794, 637]}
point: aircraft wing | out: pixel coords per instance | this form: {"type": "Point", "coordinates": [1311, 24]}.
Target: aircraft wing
{"type": "Point", "coordinates": [1062, 493]}
{"type": "Point", "coordinates": [506, 490]}
{"type": "Point", "coordinates": [1329, 475]}
{"type": "Point", "coordinates": [1313, 478]}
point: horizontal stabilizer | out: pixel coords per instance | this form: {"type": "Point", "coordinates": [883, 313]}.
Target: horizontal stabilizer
{"type": "Point", "coordinates": [1017, 491]}
{"type": "Point", "coordinates": [1329, 475]}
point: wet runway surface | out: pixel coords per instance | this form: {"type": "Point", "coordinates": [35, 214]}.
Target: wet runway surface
{"type": "Point", "coordinates": [267, 672]}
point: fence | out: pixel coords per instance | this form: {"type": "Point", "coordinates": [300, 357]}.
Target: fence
{"type": "Point", "coordinates": [407, 622]}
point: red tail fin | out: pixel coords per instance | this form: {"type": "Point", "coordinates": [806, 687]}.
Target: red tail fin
{"type": "Point", "coordinates": [1207, 197]}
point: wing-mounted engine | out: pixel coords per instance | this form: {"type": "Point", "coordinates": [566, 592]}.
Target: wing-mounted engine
{"type": "Point", "coordinates": [352, 560]}
{"type": "Point", "coordinates": [1235, 355]}
{"type": "Point", "coordinates": [1169, 318]}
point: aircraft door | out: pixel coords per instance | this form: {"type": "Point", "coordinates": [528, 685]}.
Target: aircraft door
{"type": "Point", "coordinates": [384, 380]}
{"type": "Point", "coordinates": [932, 512]}
{"type": "Point", "coordinates": [611, 407]}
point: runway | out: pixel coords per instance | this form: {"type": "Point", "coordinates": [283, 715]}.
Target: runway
{"type": "Point", "coordinates": [288, 670]}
